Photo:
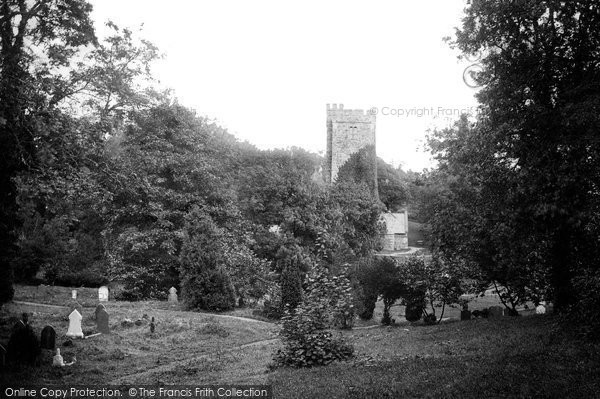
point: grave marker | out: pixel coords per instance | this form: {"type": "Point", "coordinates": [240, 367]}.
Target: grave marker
{"type": "Point", "coordinates": [102, 319]}
{"type": "Point", "coordinates": [74, 294]}
{"type": "Point", "coordinates": [75, 325]}
{"type": "Point", "coordinates": [496, 311]}
{"type": "Point", "coordinates": [48, 339]}
{"type": "Point", "coordinates": [173, 294]}
{"type": "Point", "coordinates": [465, 315]}
{"type": "Point", "coordinates": [103, 294]}
{"type": "Point", "coordinates": [540, 309]}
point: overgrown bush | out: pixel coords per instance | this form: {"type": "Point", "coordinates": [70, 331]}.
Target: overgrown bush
{"type": "Point", "coordinates": [306, 338]}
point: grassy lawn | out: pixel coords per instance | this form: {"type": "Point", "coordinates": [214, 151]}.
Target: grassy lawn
{"type": "Point", "coordinates": [506, 357]}
{"type": "Point", "coordinates": [186, 346]}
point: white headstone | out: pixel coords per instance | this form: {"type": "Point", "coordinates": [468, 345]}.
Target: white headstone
{"type": "Point", "coordinates": [75, 325]}
{"type": "Point", "coordinates": [74, 294]}
{"type": "Point", "coordinates": [173, 294]}
{"type": "Point", "coordinates": [540, 309]}
{"type": "Point", "coordinates": [103, 294]}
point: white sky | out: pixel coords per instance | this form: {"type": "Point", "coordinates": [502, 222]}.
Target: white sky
{"type": "Point", "coordinates": [265, 70]}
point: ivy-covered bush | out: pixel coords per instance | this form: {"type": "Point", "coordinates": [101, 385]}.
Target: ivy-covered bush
{"type": "Point", "coordinates": [306, 338]}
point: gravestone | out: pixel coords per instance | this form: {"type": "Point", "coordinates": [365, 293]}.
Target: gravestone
{"type": "Point", "coordinates": [172, 294]}
{"type": "Point", "coordinates": [73, 304]}
{"type": "Point", "coordinates": [102, 319]}
{"type": "Point", "coordinates": [496, 311]}
{"type": "Point", "coordinates": [2, 357]}
{"type": "Point", "coordinates": [48, 339]}
{"type": "Point", "coordinates": [75, 325]}
{"type": "Point", "coordinates": [23, 345]}
{"type": "Point", "coordinates": [152, 325]}
{"type": "Point", "coordinates": [74, 294]}
{"type": "Point", "coordinates": [58, 361]}
{"type": "Point", "coordinates": [98, 308]}
{"type": "Point", "coordinates": [103, 294]}
{"type": "Point", "coordinates": [540, 309]}
{"type": "Point", "coordinates": [465, 314]}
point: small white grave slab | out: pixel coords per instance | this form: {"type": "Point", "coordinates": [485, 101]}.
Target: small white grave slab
{"type": "Point", "coordinates": [173, 294]}
{"type": "Point", "coordinates": [103, 294]}
{"type": "Point", "coordinates": [74, 294]}
{"type": "Point", "coordinates": [75, 325]}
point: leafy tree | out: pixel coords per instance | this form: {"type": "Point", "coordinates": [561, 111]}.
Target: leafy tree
{"type": "Point", "coordinates": [533, 150]}
{"type": "Point", "coordinates": [205, 284]}
{"type": "Point", "coordinates": [393, 191]}
{"type": "Point", "coordinates": [56, 28]}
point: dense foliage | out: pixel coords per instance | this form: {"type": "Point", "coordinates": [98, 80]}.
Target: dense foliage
{"type": "Point", "coordinates": [109, 179]}
{"type": "Point", "coordinates": [517, 189]}
{"type": "Point", "coordinates": [305, 329]}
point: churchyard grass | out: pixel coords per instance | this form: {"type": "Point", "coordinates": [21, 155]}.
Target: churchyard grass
{"type": "Point", "coordinates": [506, 357]}
{"type": "Point", "coordinates": [503, 357]}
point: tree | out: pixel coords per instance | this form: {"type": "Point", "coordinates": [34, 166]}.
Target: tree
{"type": "Point", "coordinates": [205, 283]}
{"type": "Point", "coordinates": [57, 28]}
{"type": "Point", "coordinates": [537, 130]}
{"type": "Point", "coordinates": [393, 191]}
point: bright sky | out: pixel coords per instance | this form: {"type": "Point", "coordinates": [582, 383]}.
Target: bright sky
{"type": "Point", "coordinates": [265, 69]}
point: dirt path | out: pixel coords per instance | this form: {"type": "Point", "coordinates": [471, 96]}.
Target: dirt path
{"type": "Point", "coordinates": [165, 368]}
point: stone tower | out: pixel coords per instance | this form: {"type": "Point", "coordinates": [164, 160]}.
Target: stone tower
{"type": "Point", "coordinates": [351, 139]}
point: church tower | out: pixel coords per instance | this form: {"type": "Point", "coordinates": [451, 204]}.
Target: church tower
{"type": "Point", "coordinates": [350, 146]}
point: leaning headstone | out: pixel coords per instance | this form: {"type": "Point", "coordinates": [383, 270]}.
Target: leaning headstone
{"type": "Point", "coordinates": [102, 320]}
{"type": "Point", "coordinates": [103, 294]}
{"type": "Point", "coordinates": [173, 294]}
{"type": "Point", "coordinates": [496, 311]}
{"type": "Point", "coordinates": [75, 325]}
{"type": "Point", "coordinates": [48, 339]}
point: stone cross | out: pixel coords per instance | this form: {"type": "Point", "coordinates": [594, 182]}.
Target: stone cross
{"type": "Point", "coordinates": [102, 319]}
{"type": "Point", "coordinates": [172, 294]}
{"type": "Point", "coordinates": [48, 339]}
{"type": "Point", "coordinates": [75, 325]}
{"type": "Point", "coordinates": [103, 294]}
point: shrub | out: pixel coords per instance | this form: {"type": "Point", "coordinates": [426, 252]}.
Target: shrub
{"type": "Point", "coordinates": [413, 312]}
{"type": "Point", "coordinates": [211, 290]}
{"type": "Point", "coordinates": [307, 341]}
